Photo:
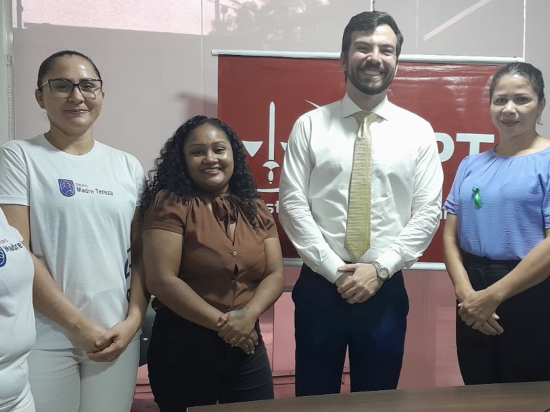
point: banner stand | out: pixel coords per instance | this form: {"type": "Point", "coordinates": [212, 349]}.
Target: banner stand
{"type": "Point", "coordinates": [404, 58]}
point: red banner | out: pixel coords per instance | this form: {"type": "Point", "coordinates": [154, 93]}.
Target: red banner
{"type": "Point", "coordinates": [261, 98]}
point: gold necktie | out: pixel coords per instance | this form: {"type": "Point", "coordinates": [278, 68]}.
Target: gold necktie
{"type": "Point", "coordinates": [359, 208]}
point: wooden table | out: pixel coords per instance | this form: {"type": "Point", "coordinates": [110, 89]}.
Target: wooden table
{"type": "Point", "coordinates": [516, 397]}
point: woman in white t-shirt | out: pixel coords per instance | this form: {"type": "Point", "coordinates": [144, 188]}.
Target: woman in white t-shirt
{"type": "Point", "coordinates": [16, 320]}
{"type": "Point", "coordinates": [74, 200]}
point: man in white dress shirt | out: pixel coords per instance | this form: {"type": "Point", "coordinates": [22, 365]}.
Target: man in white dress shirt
{"type": "Point", "coordinates": [344, 300]}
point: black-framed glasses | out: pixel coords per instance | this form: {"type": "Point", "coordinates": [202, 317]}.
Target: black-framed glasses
{"type": "Point", "coordinates": [64, 88]}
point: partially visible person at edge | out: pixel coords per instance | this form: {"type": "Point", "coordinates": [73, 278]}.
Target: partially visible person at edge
{"type": "Point", "coordinates": [350, 293]}
{"type": "Point", "coordinates": [496, 240]}
{"type": "Point", "coordinates": [213, 260]}
{"type": "Point", "coordinates": [16, 320]}
{"type": "Point", "coordinates": [74, 200]}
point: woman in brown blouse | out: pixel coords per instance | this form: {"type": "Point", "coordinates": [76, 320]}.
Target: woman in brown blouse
{"type": "Point", "coordinates": [213, 260]}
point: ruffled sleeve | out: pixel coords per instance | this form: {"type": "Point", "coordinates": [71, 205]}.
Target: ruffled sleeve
{"type": "Point", "coordinates": [452, 202]}
{"type": "Point", "coordinates": [166, 213]}
{"type": "Point", "coordinates": [266, 221]}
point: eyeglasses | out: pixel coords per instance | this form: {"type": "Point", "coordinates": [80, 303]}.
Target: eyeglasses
{"type": "Point", "coordinates": [64, 88]}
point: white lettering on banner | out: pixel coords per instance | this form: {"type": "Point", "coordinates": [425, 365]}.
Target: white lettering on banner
{"type": "Point", "coordinates": [475, 140]}
{"type": "Point", "coordinates": [448, 146]}
{"type": "Point", "coordinates": [273, 207]}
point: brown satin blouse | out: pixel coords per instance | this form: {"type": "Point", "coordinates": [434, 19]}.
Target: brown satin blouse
{"type": "Point", "coordinates": [223, 271]}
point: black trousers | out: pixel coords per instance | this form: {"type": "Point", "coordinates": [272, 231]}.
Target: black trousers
{"type": "Point", "coordinates": [189, 365]}
{"type": "Point", "coordinates": [522, 352]}
{"type": "Point", "coordinates": [326, 325]}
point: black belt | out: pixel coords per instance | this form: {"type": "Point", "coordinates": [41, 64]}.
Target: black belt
{"type": "Point", "coordinates": [487, 261]}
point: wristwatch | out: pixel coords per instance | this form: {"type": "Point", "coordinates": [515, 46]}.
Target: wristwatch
{"type": "Point", "coordinates": [381, 272]}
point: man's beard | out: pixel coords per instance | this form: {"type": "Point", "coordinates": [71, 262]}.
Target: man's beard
{"type": "Point", "coordinates": [370, 88]}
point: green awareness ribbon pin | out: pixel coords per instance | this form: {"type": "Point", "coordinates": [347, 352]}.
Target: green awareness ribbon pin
{"type": "Point", "coordinates": [477, 198]}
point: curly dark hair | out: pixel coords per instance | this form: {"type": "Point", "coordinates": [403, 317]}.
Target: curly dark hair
{"type": "Point", "coordinates": [170, 172]}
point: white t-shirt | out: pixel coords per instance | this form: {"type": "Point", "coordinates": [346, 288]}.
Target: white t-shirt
{"type": "Point", "coordinates": [17, 332]}
{"type": "Point", "coordinates": [81, 210]}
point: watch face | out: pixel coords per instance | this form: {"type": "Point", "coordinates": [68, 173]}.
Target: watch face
{"type": "Point", "coordinates": [381, 271]}
{"type": "Point", "coordinates": [384, 273]}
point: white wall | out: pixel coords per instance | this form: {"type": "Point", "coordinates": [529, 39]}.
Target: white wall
{"type": "Point", "coordinates": [156, 80]}
{"type": "Point", "coordinates": [6, 84]}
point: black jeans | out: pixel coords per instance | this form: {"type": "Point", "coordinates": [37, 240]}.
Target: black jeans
{"type": "Point", "coordinates": [189, 365]}
{"type": "Point", "coordinates": [522, 352]}
{"type": "Point", "coordinates": [326, 325]}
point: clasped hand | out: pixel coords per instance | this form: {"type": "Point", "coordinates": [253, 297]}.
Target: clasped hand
{"type": "Point", "coordinates": [358, 283]}
{"type": "Point", "coordinates": [237, 329]}
{"type": "Point", "coordinates": [478, 311]}
{"type": "Point", "coordinates": [104, 345]}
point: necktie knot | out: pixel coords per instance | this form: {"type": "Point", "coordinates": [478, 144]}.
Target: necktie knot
{"type": "Point", "coordinates": [364, 117]}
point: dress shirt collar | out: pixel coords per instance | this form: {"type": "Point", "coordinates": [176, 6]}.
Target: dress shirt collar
{"type": "Point", "coordinates": [383, 110]}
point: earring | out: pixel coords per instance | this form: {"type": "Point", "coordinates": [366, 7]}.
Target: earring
{"type": "Point", "coordinates": [539, 121]}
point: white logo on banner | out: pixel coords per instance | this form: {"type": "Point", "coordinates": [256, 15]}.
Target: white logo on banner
{"type": "Point", "coordinates": [254, 147]}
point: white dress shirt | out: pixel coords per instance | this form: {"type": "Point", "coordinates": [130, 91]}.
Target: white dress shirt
{"type": "Point", "coordinates": [407, 180]}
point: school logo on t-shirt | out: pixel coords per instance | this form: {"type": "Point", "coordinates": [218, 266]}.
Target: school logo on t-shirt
{"type": "Point", "coordinates": [66, 187]}
{"type": "Point", "coordinates": [3, 257]}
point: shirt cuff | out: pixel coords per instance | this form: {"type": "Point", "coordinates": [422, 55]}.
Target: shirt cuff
{"type": "Point", "coordinates": [391, 260]}
{"type": "Point", "coordinates": [329, 268]}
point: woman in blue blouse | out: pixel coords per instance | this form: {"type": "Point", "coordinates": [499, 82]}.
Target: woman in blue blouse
{"type": "Point", "coordinates": [496, 240]}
